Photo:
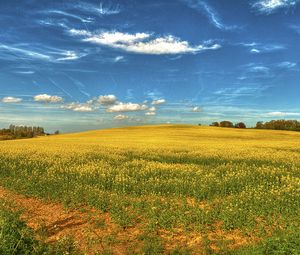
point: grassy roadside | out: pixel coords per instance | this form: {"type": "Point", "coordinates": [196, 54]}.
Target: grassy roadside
{"type": "Point", "coordinates": [17, 238]}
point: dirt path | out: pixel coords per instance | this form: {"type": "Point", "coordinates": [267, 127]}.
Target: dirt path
{"type": "Point", "coordinates": [91, 230]}
{"type": "Point", "coordinates": [94, 231]}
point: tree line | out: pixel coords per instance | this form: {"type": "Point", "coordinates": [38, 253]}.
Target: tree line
{"type": "Point", "coordinates": [228, 124]}
{"type": "Point", "coordinates": [292, 125]}
{"type": "Point", "coordinates": [18, 132]}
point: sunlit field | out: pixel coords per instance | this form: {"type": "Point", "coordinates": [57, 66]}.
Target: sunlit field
{"type": "Point", "coordinates": [170, 189]}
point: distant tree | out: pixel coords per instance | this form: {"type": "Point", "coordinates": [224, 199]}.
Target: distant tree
{"type": "Point", "coordinates": [226, 123]}
{"type": "Point", "coordinates": [215, 124]}
{"type": "Point", "coordinates": [259, 125]}
{"type": "Point", "coordinates": [12, 128]}
{"type": "Point", "coordinates": [56, 132]}
{"type": "Point", "coordinates": [240, 125]}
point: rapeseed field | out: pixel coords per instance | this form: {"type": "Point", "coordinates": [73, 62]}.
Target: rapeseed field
{"type": "Point", "coordinates": [177, 189]}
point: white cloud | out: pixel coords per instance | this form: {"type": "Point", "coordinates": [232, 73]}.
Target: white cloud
{"type": "Point", "coordinates": [282, 114]}
{"type": "Point", "coordinates": [83, 108]}
{"type": "Point", "coordinates": [77, 32]}
{"type": "Point", "coordinates": [196, 109]}
{"type": "Point", "coordinates": [270, 6]}
{"type": "Point", "coordinates": [150, 113]}
{"type": "Point", "coordinates": [126, 107]}
{"type": "Point", "coordinates": [121, 117]}
{"type": "Point", "coordinates": [255, 51]}
{"type": "Point", "coordinates": [144, 43]}
{"type": "Point", "coordinates": [107, 99]}
{"type": "Point", "coordinates": [118, 58]}
{"type": "Point", "coordinates": [48, 98]}
{"type": "Point", "coordinates": [152, 109]}
{"type": "Point", "coordinates": [78, 107]}
{"type": "Point", "coordinates": [11, 100]}
{"type": "Point", "coordinates": [117, 39]}
{"type": "Point", "coordinates": [158, 101]}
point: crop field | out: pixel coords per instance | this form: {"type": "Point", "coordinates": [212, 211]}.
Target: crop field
{"type": "Point", "coordinates": [168, 189]}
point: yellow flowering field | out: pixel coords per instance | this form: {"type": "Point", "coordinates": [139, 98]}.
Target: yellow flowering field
{"type": "Point", "coordinates": [180, 189]}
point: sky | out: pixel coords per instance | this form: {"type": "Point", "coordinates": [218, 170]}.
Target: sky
{"type": "Point", "coordinates": [80, 65]}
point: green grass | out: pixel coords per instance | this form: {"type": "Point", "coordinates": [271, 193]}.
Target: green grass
{"type": "Point", "coordinates": [17, 239]}
{"type": "Point", "coordinates": [281, 243]}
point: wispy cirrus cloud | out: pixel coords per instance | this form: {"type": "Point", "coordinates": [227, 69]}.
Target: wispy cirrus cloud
{"type": "Point", "coordinates": [85, 12]}
{"type": "Point", "coordinates": [70, 15]}
{"type": "Point", "coordinates": [143, 43]}
{"type": "Point", "coordinates": [24, 72]}
{"type": "Point", "coordinates": [17, 52]}
{"type": "Point", "coordinates": [229, 95]}
{"type": "Point", "coordinates": [258, 69]}
{"type": "Point", "coordinates": [38, 52]}
{"type": "Point", "coordinates": [153, 94]}
{"type": "Point", "coordinates": [282, 114]}
{"type": "Point", "coordinates": [296, 28]}
{"type": "Point", "coordinates": [287, 64]}
{"type": "Point", "coordinates": [211, 14]}
{"type": "Point", "coordinates": [271, 6]}
{"type": "Point", "coordinates": [255, 70]}
{"type": "Point", "coordinates": [257, 48]}
{"type": "Point", "coordinates": [237, 92]}
{"type": "Point", "coordinates": [103, 9]}
{"type": "Point", "coordinates": [70, 55]}
{"type": "Point", "coordinates": [52, 22]}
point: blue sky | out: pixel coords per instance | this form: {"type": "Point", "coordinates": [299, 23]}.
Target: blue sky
{"type": "Point", "coordinates": [79, 65]}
